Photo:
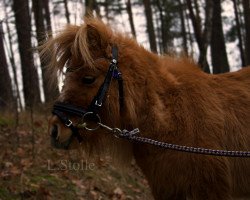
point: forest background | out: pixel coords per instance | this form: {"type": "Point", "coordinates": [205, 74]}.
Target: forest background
{"type": "Point", "coordinates": [216, 33]}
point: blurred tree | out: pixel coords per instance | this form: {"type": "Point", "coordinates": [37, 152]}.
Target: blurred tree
{"type": "Point", "coordinates": [29, 72]}
{"type": "Point", "coordinates": [89, 7]}
{"type": "Point", "coordinates": [131, 18]}
{"type": "Point", "coordinates": [50, 91]}
{"type": "Point", "coordinates": [246, 6]}
{"type": "Point", "coordinates": [168, 17]}
{"type": "Point", "coordinates": [150, 25]}
{"type": "Point", "coordinates": [92, 6]}
{"type": "Point", "coordinates": [239, 33]}
{"type": "Point", "coordinates": [218, 47]}
{"type": "Point", "coordinates": [202, 36]}
{"type": "Point", "coordinates": [47, 15]}
{"type": "Point", "coordinates": [67, 14]}
{"type": "Point", "coordinates": [106, 9]}
{"type": "Point", "coordinates": [164, 25]}
{"type": "Point", "coordinates": [6, 94]}
{"type": "Point", "coordinates": [183, 26]}
{"type": "Point", "coordinates": [112, 9]}
{"type": "Point", "coordinates": [18, 102]}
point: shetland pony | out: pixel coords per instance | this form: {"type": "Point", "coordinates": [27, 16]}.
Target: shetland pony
{"type": "Point", "coordinates": [170, 100]}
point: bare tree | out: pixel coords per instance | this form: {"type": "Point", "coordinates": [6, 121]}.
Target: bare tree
{"type": "Point", "coordinates": [239, 33]}
{"type": "Point", "coordinates": [50, 92]}
{"type": "Point", "coordinates": [183, 25]}
{"type": "Point", "coordinates": [218, 47]}
{"type": "Point", "coordinates": [18, 103]}
{"type": "Point", "coordinates": [89, 7]}
{"type": "Point", "coordinates": [131, 19]}
{"type": "Point", "coordinates": [163, 26]}
{"type": "Point", "coordinates": [246, 6]}
{"type": "Point", "coordinates": [106, 10]}
{"type": "Point", "coordinates": [150, 25]}
{"type": "Point", "coordinates": [6, 95]}
{"type": "Point", "coordinates": [67, 14]}
{"type": "Point", "coordinates": [202, 36]}
{"type": "Point", "coordinates": [29, 72]}
{"type": "Point", "coordinates": [47, 15]}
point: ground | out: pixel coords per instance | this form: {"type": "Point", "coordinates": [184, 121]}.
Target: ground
{"type": "Point", "coordinates": [31, 169]}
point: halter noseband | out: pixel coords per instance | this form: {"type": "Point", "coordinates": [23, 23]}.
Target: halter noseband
{"type": "Point", "coordinates": [91, 113]}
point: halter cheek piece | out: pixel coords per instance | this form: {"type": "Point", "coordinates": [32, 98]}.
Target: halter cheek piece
{"type": "Point", "coordinates": [91, 113]}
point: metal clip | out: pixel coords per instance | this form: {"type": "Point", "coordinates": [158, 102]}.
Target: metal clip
{"type": "Point", "coordinates": [134, 132]}
{"type": "Point", "coordinates": [98, 104]}
{"type": "Point", "coordinates": [117, 132]}
{"type": "Point", "coordinates": [82, 125]}
{"type": "Point", "coordinates": [69, 123]}
{"type": "Point", "coordinates": [125, 133]}
{"type": "Point", "coordinates": [114, 61]}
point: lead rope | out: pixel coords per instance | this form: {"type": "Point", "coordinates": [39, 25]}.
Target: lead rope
{"type": "Point", "coordinates": [133, 136]}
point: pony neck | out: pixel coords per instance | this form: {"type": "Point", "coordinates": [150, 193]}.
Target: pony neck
{"type": "Point", "coordinates": [145, 94]}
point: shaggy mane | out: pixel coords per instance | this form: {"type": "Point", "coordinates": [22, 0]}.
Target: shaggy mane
{"type": "Point", "coordinates": [73, 43]}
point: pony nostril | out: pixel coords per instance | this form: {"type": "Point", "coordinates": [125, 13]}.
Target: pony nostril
{"type": "Point", "coordinates": [54, 132]}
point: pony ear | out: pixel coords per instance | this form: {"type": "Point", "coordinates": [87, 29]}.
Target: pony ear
{"type": "Point", "coordinates": [91, 40]}
{"type": "Point", "coordinates": [98, 35]}
{"type": "Point", "coordinates": [93, 37]}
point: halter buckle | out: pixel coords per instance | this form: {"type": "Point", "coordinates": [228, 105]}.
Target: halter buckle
{"type": "Point", "coordinates": [69, 123]}
{"type": "Point", "coordinates": [114, 61]}
{"type": "Point", "coordinates": [98, 104]}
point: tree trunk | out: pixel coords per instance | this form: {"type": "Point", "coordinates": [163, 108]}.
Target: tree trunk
{"type": "Point", "coordinates": [6, 95]}
{"type": "Point", "coordinates": [18, 102]}
{"type": "Point", "coordinates": [106, 10]}
{"type": "Point", "coordinates": [47, 15]}
{"type": "Point", "coordinates": [89, 7]}
{"type": "Point", "coordinates": [238, 27]}
{"type": "Point", "coordinates": [196, 25]}
{"type": "Point", "coordinates": [50, 92]}
{"type": "Point", "coordinates": [202, 38]}
{"type": "Point", "coordinates": [29, 72]}
{"type": "Point", "coordinates": [206, 36]}
{"type": "Point", "coordinates": [189, 34]}
{"type": "Point", "coordinates": [130, 16]}
{"type": "Point", "coordinates": [218, 47]}
{"type": "Point", "coordinates": [150, 25]}
{"type": "Point", "coordinates": [97, 9]}
{"type": "Point", "coordinates": [246, 6]}
{"type": "Point", "coordinates": [67, 15]}
{"type": "Point", "coordinates": [183, 26]}
{"type": "Point", "coordinates": [164, 26]}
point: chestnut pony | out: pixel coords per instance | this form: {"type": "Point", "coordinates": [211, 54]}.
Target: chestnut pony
{"type": "Point", "coordinates": [169, 99]}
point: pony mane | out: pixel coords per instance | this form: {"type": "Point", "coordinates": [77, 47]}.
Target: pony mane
{"type": "Point", "coordinates": [75, 43]}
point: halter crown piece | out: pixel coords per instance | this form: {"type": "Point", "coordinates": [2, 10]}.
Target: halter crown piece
{"type": "Point", "coordinates": [60, 109]}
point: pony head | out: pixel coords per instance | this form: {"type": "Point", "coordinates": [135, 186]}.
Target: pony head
{"type": "Point", "coordinates": [86, 51]}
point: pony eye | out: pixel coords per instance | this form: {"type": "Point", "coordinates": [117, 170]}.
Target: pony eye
{"type": "Point", "coordinates": [88, 79]}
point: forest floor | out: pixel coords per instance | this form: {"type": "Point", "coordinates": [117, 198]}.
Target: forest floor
{"type": "Point", "coordinates": [31, 169]}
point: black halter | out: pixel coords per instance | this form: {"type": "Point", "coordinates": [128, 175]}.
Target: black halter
{"type": "Point", "coordinates": [60, 109]}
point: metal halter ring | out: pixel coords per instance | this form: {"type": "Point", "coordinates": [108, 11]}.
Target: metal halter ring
{"type": "Point", "coordinates": [97, 121]}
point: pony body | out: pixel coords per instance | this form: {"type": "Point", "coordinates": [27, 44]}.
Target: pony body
{"type": "Point", "coordinates": [169, 99]}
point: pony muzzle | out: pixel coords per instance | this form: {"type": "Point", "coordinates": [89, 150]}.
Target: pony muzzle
{"type": "Point", "coordinates": [55, 139]}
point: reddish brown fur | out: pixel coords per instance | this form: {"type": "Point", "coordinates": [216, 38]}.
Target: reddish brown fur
{"type": "Point", "coordinates": [169, 99]}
